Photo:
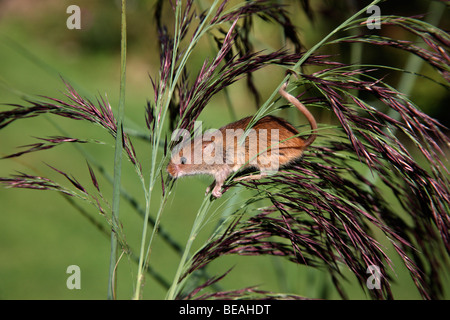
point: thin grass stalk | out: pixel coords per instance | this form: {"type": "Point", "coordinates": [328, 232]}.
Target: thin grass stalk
{"type": "Point", "coordinates": [161, 109]}
{"type": "Point", "coordinates": [118, 159]}
{"type": "Point", "coordinates": [144, 255]}
{"type": "Point", "coordinates": [177, 283]}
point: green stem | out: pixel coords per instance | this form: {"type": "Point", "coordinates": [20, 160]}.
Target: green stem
{"type": "Point", "coordinates": [198, 223]}
{"type": "Point", "coordinates": [162, 106]}
{"type": "Point", "coordinates": [118, 160]}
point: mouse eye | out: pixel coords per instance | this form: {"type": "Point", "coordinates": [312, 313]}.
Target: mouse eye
{"type": "Point", "coordinates": [183, 160]}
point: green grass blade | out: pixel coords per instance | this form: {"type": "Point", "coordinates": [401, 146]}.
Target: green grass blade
{"type": "Point", "coordinates": [118, 158]}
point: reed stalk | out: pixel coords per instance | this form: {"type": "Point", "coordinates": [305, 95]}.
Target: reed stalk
{"type": "Point", "coordinates": [118, 158]}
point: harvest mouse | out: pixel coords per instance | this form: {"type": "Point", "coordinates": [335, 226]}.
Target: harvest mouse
{"type": "Point", "coordinates": [271, 143]}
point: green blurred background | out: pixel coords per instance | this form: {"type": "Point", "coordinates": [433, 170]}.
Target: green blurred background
{"type": "Point", "coordinates": [41, 234]}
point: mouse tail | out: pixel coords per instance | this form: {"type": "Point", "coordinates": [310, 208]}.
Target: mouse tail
{"type": "Point", "coordinates": [304, 111]}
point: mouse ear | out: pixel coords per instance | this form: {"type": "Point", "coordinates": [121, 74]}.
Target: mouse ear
{"type": "Point", "coordinates": [211, 135]}
{"type": "Point", "coordinates": [206, 143]}
{"type": "Point", "coordinates": [210, 139]}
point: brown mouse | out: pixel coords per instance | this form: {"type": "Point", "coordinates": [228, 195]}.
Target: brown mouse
{"type": "Point", "coordinates": [270, 144]}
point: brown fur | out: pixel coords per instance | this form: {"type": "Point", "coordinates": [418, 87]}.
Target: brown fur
{"type": "Point", "coordinates": [214, 156]}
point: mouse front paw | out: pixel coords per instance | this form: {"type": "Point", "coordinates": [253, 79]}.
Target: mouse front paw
{"type": "Point", "coordinates": [217, 193]}
{"type": "Point", "coordinates": [215, 187]}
